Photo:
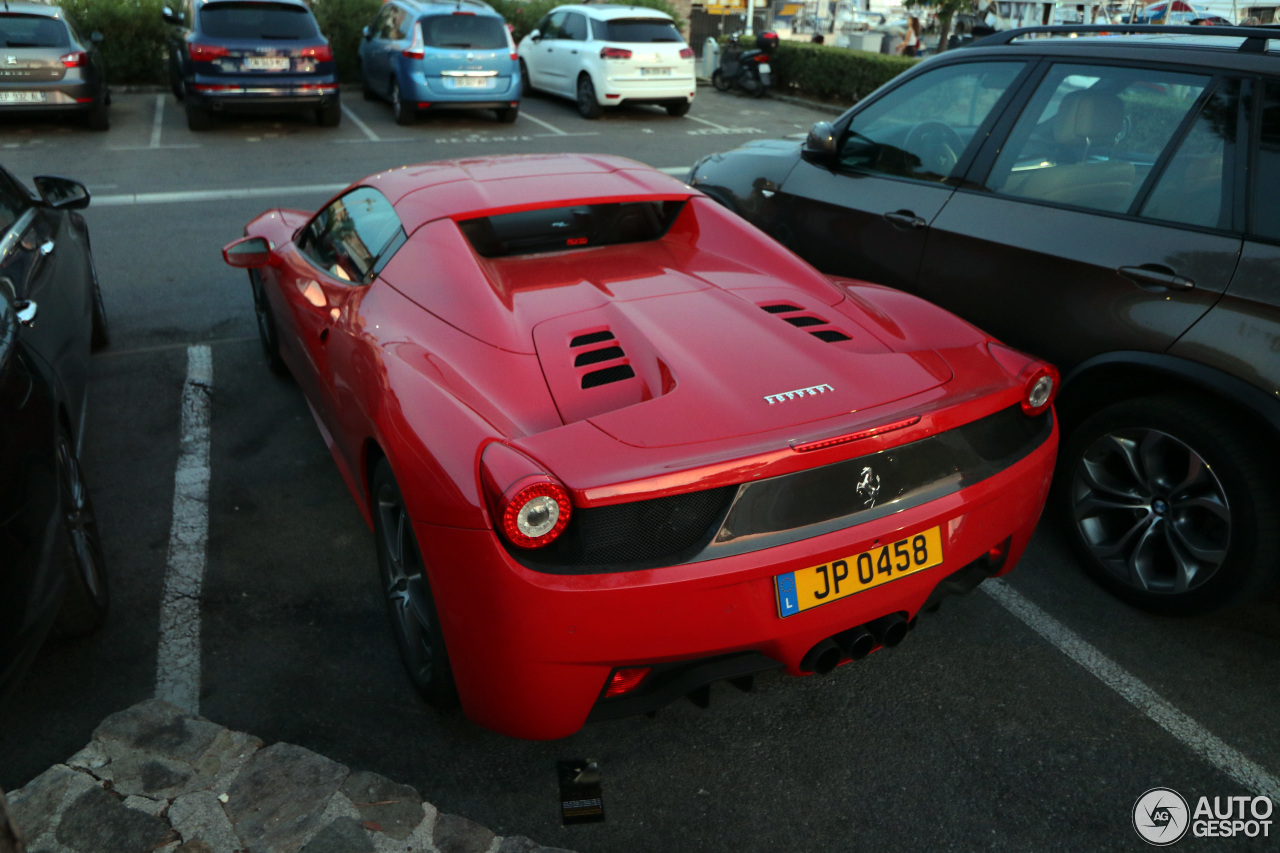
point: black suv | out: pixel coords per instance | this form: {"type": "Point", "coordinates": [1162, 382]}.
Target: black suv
{"type": "Point", "coordinates": [1107, 200]}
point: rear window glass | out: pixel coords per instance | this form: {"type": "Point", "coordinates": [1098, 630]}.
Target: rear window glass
{"type": "Point", "coordinates": [32, 31]}
{"type": "Point", "coordinates": [636, 31]}
{"type": "Point", "coordinates": [464, 31]}
{"type": "Point", "coordinates": [578, 227]}
{"type": "Point", "coordinates": [257, 21]}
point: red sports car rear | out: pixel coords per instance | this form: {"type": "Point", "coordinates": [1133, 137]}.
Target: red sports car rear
{"type": "Point", "coordinates": [616, 444]}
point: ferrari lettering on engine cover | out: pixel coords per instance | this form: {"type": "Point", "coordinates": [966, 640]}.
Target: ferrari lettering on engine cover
{"type": "Point", "coordinates": [799, 392]}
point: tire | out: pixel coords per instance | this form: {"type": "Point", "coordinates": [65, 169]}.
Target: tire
{"type": "Point", "coordinates": [267, 330]}
{"type": "Point", "coordinates": [678, 108]}
{"type": "Point", "coordinates": [752, 85]}
{"type": "Point", "coordinates": [415, 622]}
{"type": "Point", "coordinates": [1168, 501]}
{"type": "Point", "coordinates": [588, 106]}
{"type": "Point", "coordinates": [366, 91]}
{"type": "Point", "coordinates": [98, 118]}
{"type": "Point", "coordinates": [175, 79]}
{"type": "Point", "coordinates": [404, 114]}
{"type": "Point", "coordinates": [526, 84]}
{"type": "Point", "coordinates": [330, 115]}
{"type": "Point", "coordinates": [721, 84]}
{"type": "Point", "coordinates": [508, 116]}
{"type": "Point", "coordinates": [100, 337]}
{"type": "Point", "coordinates": [87, 598]}
{"type": "Point", "coordinates": [198, 118]}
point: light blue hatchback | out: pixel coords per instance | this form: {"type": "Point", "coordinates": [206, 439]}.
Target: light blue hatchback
{"type": "Point", "coordinates": [426, 54]}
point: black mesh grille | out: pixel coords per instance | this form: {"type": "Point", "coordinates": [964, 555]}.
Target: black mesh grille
{"type": "Point", "coordinates": [617, 373]}
{"type": "Point", "coordinates": [804, 321]}
{"type": "Point", "coordinates": [596, 356]}
{"type": "Point", "coordinates": [781, 308]}
{"type": "Point", "coordinates": [592, 338]}
{"type": "Point", "coordinates": [630, 535]}
{"type": "Point", "coordinates": [831, 336]}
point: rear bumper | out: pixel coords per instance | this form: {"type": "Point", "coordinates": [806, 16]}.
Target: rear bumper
{"type": "Point", "coordinates": [440, 91]}
{"type": "Point", "coordinates": [62, 95]}
{"type": "Point", "coordinates": [532, 651]}
{"type": "Point", "coordinates": [218, 93]}
{"type": "Point", "coordinates": [643, 91]}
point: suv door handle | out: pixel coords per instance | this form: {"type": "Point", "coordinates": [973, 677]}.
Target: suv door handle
{"type": "Point", "coordinates": [1156, 275]}
{"type": "Point", "coordinates": [905, 219]}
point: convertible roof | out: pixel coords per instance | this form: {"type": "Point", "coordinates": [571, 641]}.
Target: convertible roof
{"type": "Point", "coordinates": [464, 189]}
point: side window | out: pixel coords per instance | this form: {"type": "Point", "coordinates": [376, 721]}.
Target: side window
{"type": "Point", "coordinates": [399, 24]}
{"type": "Point", "coordinates": [1090, 135]}
{"type": "Point", "coordinates": [12, 205]}
{"type": "Point", "coordinates": [1196, 186]}
{"type": "Point", "coordinates": [1264, 218]}
{"type": "Point", "coordinates": [553, 25]}
{"type": "Point", "coordinates": [920, 129]}
{"type": "Point", "coordinates": [347, 238]}
{"type": "Point", "coordinates": [575, 27]}
{"type": "Point", "coordinates": [384, 26]}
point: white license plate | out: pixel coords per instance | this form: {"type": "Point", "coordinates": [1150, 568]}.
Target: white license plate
{"type": "Point", "coordinates": [21, 97]}
{"type": "Point", "coordinates": [655, 72]}
{"type": "Point", "coordinates": [471, 82]}
{"type": "Point", "coordinates": [267, 63]}
{"type": "Point", "coordinates": [764, 68]}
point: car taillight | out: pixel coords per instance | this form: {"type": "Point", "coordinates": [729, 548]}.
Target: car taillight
{"type": "Point", "coordinates": [1039, 388]}
{"type": "Point", "coordinates": [77, 59]}
{"type": "Point", "coordinates": [530, 507]}
{"type": "Point", "coordinates": [323, 53]}
{"type": "Point", "coordinates": [686, 53]}
{"type": "Point", "coordinates": [417, 49]}
{"type": "Point", "coordinates": [626, 679]}
{"type": "Point", "coordinates": [206, 52]}
{"type": "Point", "coordinates": [760, 57]}
{"type": "Point", "coordinates": [614, 53]}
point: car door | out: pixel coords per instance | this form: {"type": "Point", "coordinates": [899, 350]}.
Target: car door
{"type": "Point", "coordinates": [538, 57]}
{"type": "Point", "coordinates": [865, 214]}
{"type": "Point", "coordinates": [1106, 219]}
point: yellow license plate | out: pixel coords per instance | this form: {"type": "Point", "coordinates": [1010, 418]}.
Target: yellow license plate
{"type": "Point", "coordinates": [817, 585]}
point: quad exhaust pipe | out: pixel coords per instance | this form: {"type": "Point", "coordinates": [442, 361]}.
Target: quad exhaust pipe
{"type": "Point", "coordinates": [855, 643]}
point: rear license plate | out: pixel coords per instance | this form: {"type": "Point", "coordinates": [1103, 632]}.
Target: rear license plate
{"type": "Point", "coordinates": [764, 68]}
{"type": "Point", "coordinates": [817, 585]}
{"type": "Point", "coordinates": [267, 63]}
{"type": "Point", "coordinates": [21, 97]}
{"type": "Point", "coordinates": [655, 72]}
{"type": "Point", "coordinates": [470, 82]}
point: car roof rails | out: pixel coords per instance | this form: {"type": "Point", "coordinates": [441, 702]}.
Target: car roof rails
{"type": "Point", "coordinates": [1255, 38]}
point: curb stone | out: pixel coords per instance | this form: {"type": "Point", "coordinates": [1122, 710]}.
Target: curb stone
{"type": "Point", "coordinates": [155, 778]}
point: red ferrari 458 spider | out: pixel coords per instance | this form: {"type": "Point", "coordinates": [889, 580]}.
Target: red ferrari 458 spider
{"type": "Point", "coordinates": [616, 444]}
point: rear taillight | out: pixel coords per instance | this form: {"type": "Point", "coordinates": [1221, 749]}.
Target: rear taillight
{"type": "Point", "coordinates": [760, 57]}
{"type": "Point", "coordinates": [614, 53]}
{"type": "Point", "coordinates": [417, 49]}
{"type": "Point", "coordinates": [323, 53]}
{"type": "Point", "coordinates": [626, 679]}
{"type": "Point", "coordinates": [206, 52]}
{"type": "Point", "coordinates": [530, 507]}
{"type": "Point", "coordinates": [686, 53]}
{"type": "Point", "coordinates": [1040, 387]}
{"type": "Point", "coordinates": [77, 59]}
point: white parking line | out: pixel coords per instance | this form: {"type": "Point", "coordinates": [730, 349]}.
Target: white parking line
{"type": "Point", "coordinates": [707, 123]}
{"type": "Point", "coordinates": [155, 127]}
{"type": "Point", "coordinates": [551, 127]}
{"type": "Point", "coordinates": [1186, 730]}
{"type": "Point", "coordinates": [368, 131]}
{"type": "Point", "coordinates": [178, 655]}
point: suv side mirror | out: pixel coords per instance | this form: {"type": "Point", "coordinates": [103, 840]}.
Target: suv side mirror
{"type": "Point", "coordinates": [170, 17]}
{"type": "Point", "coordinates": [820, 145]}
{"type": "Point", "coordinates": [62, 193]}
{"type": "Point", "coordinates": [535, 36]}
{"type": "Point", "coordinates": [367, 33]}
{"type": "Point", "coordinates": [247, 252]}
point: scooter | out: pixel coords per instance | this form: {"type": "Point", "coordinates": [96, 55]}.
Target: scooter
{"type": "Point", "coordinates": [747, 69]}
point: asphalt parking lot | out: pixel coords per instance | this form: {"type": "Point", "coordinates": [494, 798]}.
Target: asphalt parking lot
{"type": "Point", "coordinates": [1029, 715]}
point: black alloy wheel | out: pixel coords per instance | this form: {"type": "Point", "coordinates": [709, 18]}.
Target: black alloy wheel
{"type": "Point", "coordinates": [87, 598]}
{"type": "Point", "coordinates": [588, 106]}
{"type": "Point", "coordinates": [267, 332]}
{"type": "Point", "coordinates": [404, 113]}
{"type": "Point", "coordinates": [415, 623]}
{"type": "Point", "coordinates": [1170, 504]}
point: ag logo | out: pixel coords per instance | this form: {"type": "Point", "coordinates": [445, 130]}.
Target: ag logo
{"type": "Point", "coordinates": [1161, 817]}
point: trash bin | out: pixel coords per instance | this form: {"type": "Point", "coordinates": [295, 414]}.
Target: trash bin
{"type": "Point", "coordinates": [710, 56]}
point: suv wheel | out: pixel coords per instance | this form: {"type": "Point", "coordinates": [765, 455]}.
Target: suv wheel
{"type": "Point", "coordinates": [404, 113]}
{"type": "Point", "coordinates": [330, 115]}
{"type": "Point", "coordinates": [1168, 502]}
{"type": "Point", "coordinates": [508, 115]}
{"type": "Point", "coordinates": [588, 106]}
{"type": "Point", "coordinates": [198, 118]}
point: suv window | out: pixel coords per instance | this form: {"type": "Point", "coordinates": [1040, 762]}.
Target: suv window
{"type": "Point", "coordinates": [1196, 187]}
{"type": "Point", "coordinates": [1090, 135]}
{"type": "Point", "coordinates": [465, 31]}
{"type": "Point", "coordinates": [32, 31]}
{"type": "Point", "coordinates": [351, 235]}
{"type": "Point", "coordinates": [12, 205]}
{"type": "Point", "coordinates": [920, 129]}
{"type": "Point", "coordinates": [636, 31]}
{"type": "Point", "coordinates": [1265, 217]}
{"type": "Point", "coordinates": [575, 27]}
{"type": "Point", "coordinates": [257, 21]}
{"type": "Point", "coordinates": [389, 24]}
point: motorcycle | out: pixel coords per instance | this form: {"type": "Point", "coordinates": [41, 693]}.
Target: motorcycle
{"type": "Point", "coordinates": [747, 69]}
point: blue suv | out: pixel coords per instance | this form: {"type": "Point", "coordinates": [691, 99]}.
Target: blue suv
{"type": "Point", "coordinates": [428, 55]}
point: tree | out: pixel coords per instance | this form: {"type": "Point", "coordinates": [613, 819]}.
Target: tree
{"type": "Point", "coordinates": [945, 11]}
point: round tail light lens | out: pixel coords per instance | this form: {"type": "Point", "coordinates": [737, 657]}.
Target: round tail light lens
{"type": "Point", "coordinates": [535, 514]}
{"type": "Point", "coordinates": [1039, 390]}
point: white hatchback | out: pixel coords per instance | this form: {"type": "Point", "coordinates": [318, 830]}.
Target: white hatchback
{"type": "Point", "coordinates": [604, 55]}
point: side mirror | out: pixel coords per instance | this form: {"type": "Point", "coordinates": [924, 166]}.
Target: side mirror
{"type": "Point", "coordinates": [62, 193]}
{"type": "Point", "coordinates": [248, 253]}
{"type": "Point", "coordinates": [366, 33]}
{"type": "Point", "coordinates": [535, 36]}
{"type": "Point", "coordinates": [170, 17]}
{"type": "Point", "coordinates": [820, 145]}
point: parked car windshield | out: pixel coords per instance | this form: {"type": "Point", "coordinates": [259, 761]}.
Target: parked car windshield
{"type": "Point", "coordinates": [636, 30]}
{"type": "Point", "coordinates": [32, 31]}
{"type": "Point", "coordinates": [467, 31]}
{"type": "Point", "coordinates": [257, 21]}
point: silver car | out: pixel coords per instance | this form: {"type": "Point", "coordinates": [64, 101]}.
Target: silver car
{"type": "Point", "coordinates": [47, 66]}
